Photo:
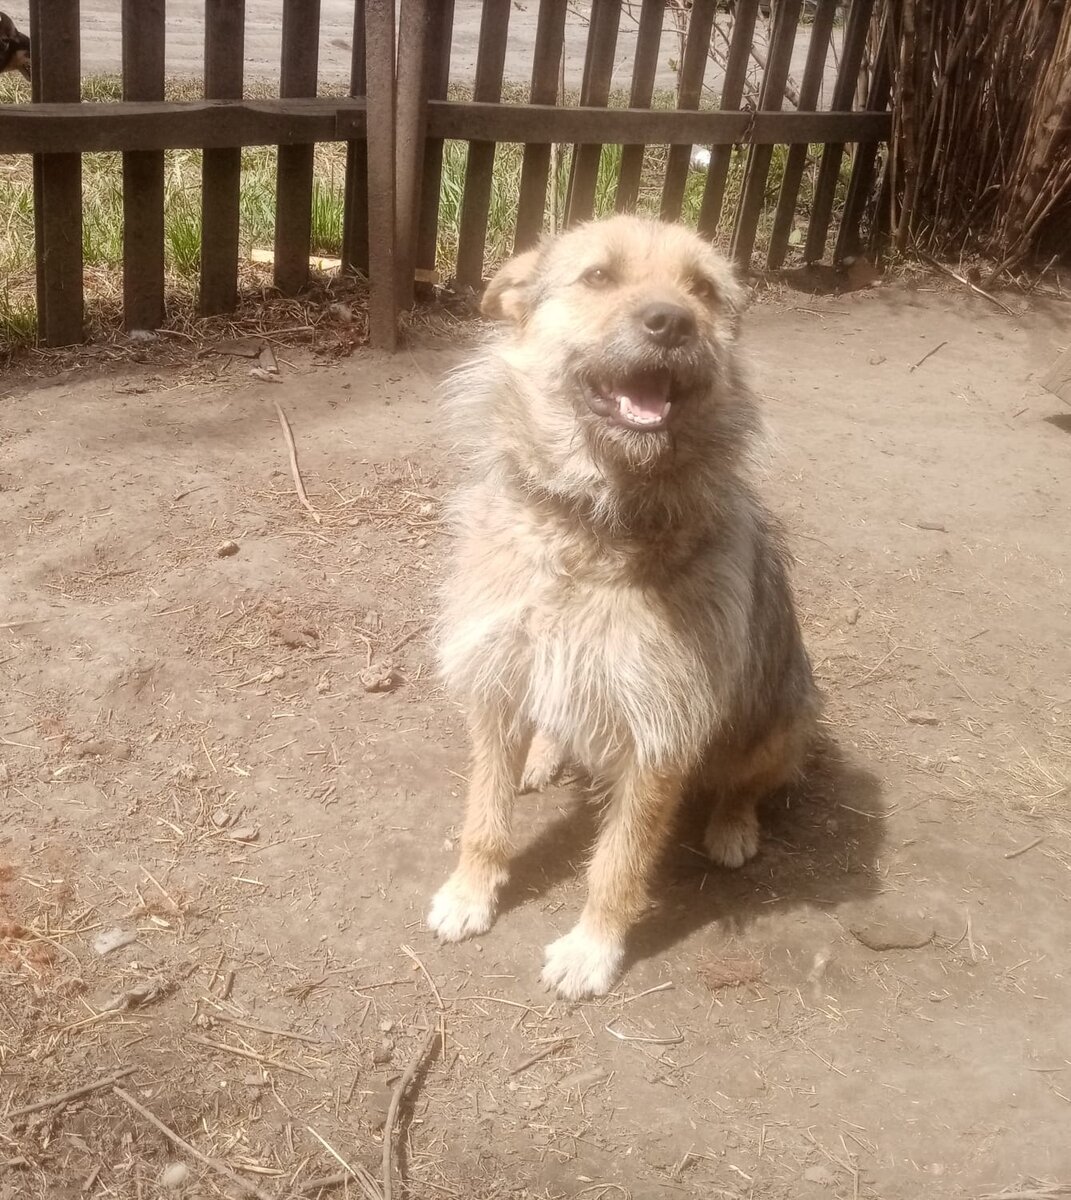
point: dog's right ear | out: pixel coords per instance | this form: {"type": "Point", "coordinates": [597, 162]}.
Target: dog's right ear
{"type": "Point", "coordinates": [506, 297]}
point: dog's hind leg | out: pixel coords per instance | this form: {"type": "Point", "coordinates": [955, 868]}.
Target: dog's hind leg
{"type": "Point", "coordinates": [587, 960]}
{"type": "Point", "coordinates": [545, 761]}
{"type": "Point", "coordinates": [465, 905]}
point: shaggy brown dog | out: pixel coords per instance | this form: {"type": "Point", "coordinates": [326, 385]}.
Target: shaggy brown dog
{"type": "Point", "coordinates": [620, 595]}
{"type": "Point", "coordinates": [14, 47]}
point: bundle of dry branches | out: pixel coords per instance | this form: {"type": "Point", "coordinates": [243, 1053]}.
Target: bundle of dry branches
{"type": "Point", "coordinates": [982, 127]}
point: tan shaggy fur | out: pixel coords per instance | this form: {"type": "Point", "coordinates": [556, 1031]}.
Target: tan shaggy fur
{"type": "Point", "coordinates": [619, 597]}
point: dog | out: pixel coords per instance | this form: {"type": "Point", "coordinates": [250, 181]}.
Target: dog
{"type": "Point", "coordinates": [14, 48]}
{"type": "Point", "coordinates": [620, 596]}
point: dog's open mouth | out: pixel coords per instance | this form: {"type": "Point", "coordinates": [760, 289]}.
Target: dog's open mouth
{"type": "Point", "coordinates": [642, 400]}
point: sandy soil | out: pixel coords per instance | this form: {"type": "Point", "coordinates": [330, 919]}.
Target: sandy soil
{"type": "Point", "coordinates": [878, 1006]}
{"type": "Point", "coordinates": [101, 42]}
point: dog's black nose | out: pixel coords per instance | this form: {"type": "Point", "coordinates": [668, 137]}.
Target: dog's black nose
{"type": "Point", "coordinates": [669, 325]}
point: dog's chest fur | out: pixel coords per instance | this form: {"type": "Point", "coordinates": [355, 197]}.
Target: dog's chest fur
{"type": "Point", "coordinates": [544, 621]}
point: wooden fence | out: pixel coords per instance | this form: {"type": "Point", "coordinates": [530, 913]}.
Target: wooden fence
{"type": "Point", "coordinates": [398, 116]}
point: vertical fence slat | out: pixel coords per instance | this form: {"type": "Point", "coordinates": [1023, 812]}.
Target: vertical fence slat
{"type": "Point", "coordinates": [221, 169]}
{"type": "Point", "coordinates": [644, 72]}
{"type": "Point", "coordinates": [355, 189]}
{"type": "Point", "coordinates": [689, 93]}
{"type": "Point", "coordinates": [594, 92]}
{"type": "Point", "coordinates": [143, 170]}
{"type": "Point", "coordinates": [535, 171]}
{"type": "Point", "coordinates": [440, 34]}
{"type": "Point", "coordinates": [56, 69]}
{"type": "Point", "coordinates": [379, 73]}
{"type": "Point", "coordinates": [825, 188]}
{"type": "Point", "coordinates": [771, 97]}
{"type": "Point", "coordinates": [732, 92]}
{"type": "Point", "coordinates": [810, 90]}
{"type": "Point", "coordinates": [294, 172]}
{"type": "Point", "coordinates": [411, 114]}
{"type": "Point", "coordinates": [861, 182]}
{"type": "Point", "coordinates": [479, 170]}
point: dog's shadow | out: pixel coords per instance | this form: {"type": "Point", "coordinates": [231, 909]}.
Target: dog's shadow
{"type": "Point", "coordinates": [820, 847]}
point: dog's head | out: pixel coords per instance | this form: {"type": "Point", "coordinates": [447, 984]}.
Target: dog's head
{"type": "Point", "coordinates": [628, 326]}
{"type": "Point", "coordinates": [14, 47]}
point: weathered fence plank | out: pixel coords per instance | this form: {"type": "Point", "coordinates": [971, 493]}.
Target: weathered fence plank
{"type": "Point", "coordinates": [379, 72]}
{"type": "Point", "coordinates": [143, 170]}
{"type": "Point", "coordinates": [56, 69]}
{"type": "Point", "coordinates": [594, 91]}
{"type": "Point", "coordinates": [689, 93]}
{"type": "Point", "coordinates": [355, 189]}
{"type": "Point", "coordinates": [221, 167]}
{"type": "Point", "coordinates": [644, 72]}
{"type": "Point", "coordinates": [480, 167]}
{"type": "Point", "coordinates": [294, 171]}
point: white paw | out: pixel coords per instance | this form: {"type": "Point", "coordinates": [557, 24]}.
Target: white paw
{"type": "Point", "coordinates": [459, 910]}
{"type": "Point", "coordinates": [731, 842]}
{"type": "Point", "coordinates": [543, 766]}
{"type": "Point", "coordinates": [581, 964]}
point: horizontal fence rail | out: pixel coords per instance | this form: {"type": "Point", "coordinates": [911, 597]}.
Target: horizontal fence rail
{"type": "Point", "coordinates": [744, 85]}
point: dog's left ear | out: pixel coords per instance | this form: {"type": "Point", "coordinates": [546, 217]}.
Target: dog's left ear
{"type": "Point", "coordinates": [507, 295]}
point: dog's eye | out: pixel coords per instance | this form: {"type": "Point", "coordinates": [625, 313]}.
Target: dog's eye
{"type": "Point", "coordinates": [704, 290]}
{"type": "Point", "coordinates": [596, 277]}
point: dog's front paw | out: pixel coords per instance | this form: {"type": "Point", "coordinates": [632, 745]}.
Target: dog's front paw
{"type": "Point", "coordinates": [461, 910]}
{"type": "Point", "coordinates": [731, 841]}
{"type": "Point", "coordinates": [544, 764]}
{"type": "Point", "coordinates": [582, 964]}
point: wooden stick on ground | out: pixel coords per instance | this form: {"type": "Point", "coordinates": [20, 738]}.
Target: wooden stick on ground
{"type": "Point", "coordinates": [295, 470]}
{"type": "Point", "coordinates": [212, 1164]}
{"type": "Point", "coordinates": [73, 1094]}
{"type": "Point", "coordinates": [395, 1102]}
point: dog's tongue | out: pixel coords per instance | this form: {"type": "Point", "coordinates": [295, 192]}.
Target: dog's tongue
{"type": "Point", "coordinates": [644, 399]}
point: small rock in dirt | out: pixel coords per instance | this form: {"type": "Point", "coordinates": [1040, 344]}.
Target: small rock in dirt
{"type": "Point", "coordinates": [384, 1051]}
{"type": "Point", "coordinates": [267, 361]}
{"type": "Point", "coordinates": [221, 818]}
{"type": "Point", "coordinates": [386, 1026]}
{"type": "Point", "coordinates": [891, 925]}
{"type": "Point", "coordinates": [185, 772]}
{"type": "Point", "coordinates": [100, 748]}
{"type": "Point", "coordinates": [822, 1175]}
{"type": "Point", "coordinates": [248, 833]}
{"type": "Point", "coordinates": [922, 716]}
{"type": "Point", "coordinates": [341, 312]}
{"type": "Point", "coordinates": [266, 376]}
{"type": "Point", "coordinates": [226, 549]}
{"type": "Point", "coordinates": [583, 1079]}
{"type": "Point", "coordinates": [174, 1175]}
{"type": "Point", "coordinates": [876, 360]}
{"type": "Point", "coordinates": [240, 347]}
{"type": "Point", "coordinates": [305, 638]}
{"type": "Point", "coordinates": [141, 335]}
{"type": "Point", "coordinates": [137, 996]}
{"type": "Point", "coordinates": [323, 684]}
{"type": "Point", "coordinates": [113, 939]}
{"type": "Point", "coordinates": [851, 616]}
{"type": "Point", "coordinates": [5, 773]}
{"type": "Point", "coordinates": [379, 677]}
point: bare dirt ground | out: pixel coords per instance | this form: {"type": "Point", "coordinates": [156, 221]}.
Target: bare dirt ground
{"type": "Point", "coordinates": [878, 1006]}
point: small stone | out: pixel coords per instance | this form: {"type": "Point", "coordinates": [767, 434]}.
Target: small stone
{"type": "Point", "coordinates": [888, 925]}
{"type": "Point", "coordinates": [851, 616]}
{"type": "Point", "coordinates": [113, 939]}
{"type": "Point", "coordinates": [174, 1175]}
{"type": "Point", "coordinates": [922, 716]}
{"type": "Point", "coordinates": [822, 1175]}
{"type": "Point", "coordinates": [226, 549]}
{"type": "Point", "coordinates": [247, 833]}
{"type": "Point", "coordinates": [384, 1051]}
{"type": "Point", "coordinates": [379, 677]}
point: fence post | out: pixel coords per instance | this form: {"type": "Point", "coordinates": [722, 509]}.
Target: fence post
{"type": "Point", "coordinates": [379, 72]}
{"type": "Point", "coordinates": [293, 187]}
{"type": "Point", "coordinates": [143, 170]}
{"type": "Point", "coordinates": [355, 199]}
{"type": "Point", "coordinates": [57, 178]}
{"type": "Point", "coordinates": [221, 169]}
{"type": "Point", "coordinates": [412, 115]}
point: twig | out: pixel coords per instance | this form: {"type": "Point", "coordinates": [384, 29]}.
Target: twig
{"type": "Point", "coordinates": [213, 1164]}
{"type": "Point", "coordinates": [368, 1184]}
{"type": "Point", "coordinates": [431, 982]}
{"type": "Point", "coordinates": [928, 354]}
{"type": "Point", "coordinates": [19, 624]}
{"type": "Point", "coordinates": [635, 1037]}
{"type": "Point", "coordinates": [268, 1029]}
{"type": "Point", "coordinates": [324, 1182]}
{"type": "Point", "coordinates": [295, 470]}
{"type": "Point", "coordinates": [395, 1100]}
{"type": "Point", "coordinates": [661, 987]}
{"type": "Point", "coordinates": [73, 1094]}
{"type": "Point", "coordinates": [1023, 849]}
{"type": "Point", "coordinates": [965, 282]}
{"type": "Point", "coordinates": [260, 1058]}
{"type": "Point", "coordinates": [539, 1055]}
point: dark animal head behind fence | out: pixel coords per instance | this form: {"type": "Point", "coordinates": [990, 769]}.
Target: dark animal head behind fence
{"type": "Point", "coordinates": [14, 47]}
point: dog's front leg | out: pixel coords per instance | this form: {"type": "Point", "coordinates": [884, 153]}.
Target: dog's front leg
{"type": "Point", "coordinates": [465, 905]}
{"type": "Point", "coordinates": [586, 962]}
